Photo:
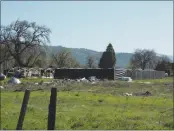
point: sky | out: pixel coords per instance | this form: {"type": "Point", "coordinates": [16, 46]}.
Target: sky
{"type": "Point", "coordinates": [127, 25]}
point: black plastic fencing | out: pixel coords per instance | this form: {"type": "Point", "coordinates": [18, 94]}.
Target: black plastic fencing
{"type": "Point", "coordinates": [75, 73]}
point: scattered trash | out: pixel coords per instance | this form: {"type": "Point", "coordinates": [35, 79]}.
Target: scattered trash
{"type": "Point", "coordinates": [125, 79]}
{"type": "Point", "coordinates": [127, 94]}
{"type": "Point", "coordinates": [1, 87]}
{"type": "Point", "coordinates": [47, 82]}
{"type": "Point", "coordinates": [166, 74]}
{"type": "Point", "coordinates": [92, 78]}
{"type": "Point", "coordinates": [17, 74]}
{"type": "Point", "coordinates": [147, 93]}
{"type": "Point", "coordinates": [130, 80]}
{"type": "Point", "coordinates": [84, 80]}
{"type": "Point", "coordinates": [2, 77]}
{"type": "Point", "coordinates": [93, 82]}
{"type": "Point", "coordinates": [36, 83]}
{"type": "Point", "coordinates": [147, 82]}
{"type": "Point", "coordinates": [48, 77]}
{"type": "Point", "coordinates": [14, 80]}
{"type": "Point", "coordinates": [78, 80]}
{"type": "Point", "coordinates": [43, 77]}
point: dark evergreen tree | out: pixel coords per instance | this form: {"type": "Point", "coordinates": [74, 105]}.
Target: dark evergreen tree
{"type": "Point", "coordinates": [108, 59]}
{"type": "Point", "coordinates": [164, 64]}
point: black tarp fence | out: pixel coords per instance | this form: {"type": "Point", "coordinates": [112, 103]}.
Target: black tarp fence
{"type": "Point", "coordinates": [76, 73]}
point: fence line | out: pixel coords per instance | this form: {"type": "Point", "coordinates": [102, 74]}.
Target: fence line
{"type": "Point", "coordinates": [51, 112]}
{"type": "Point", "coordinates": [139, 74]}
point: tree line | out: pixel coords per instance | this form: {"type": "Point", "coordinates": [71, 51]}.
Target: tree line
{"type": "Point", "coordinates": [25, 44]}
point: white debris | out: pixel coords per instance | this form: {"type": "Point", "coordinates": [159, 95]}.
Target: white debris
{"type": "Point", "coordinates": [36, 83]}
{"type": "Point", "coordinates": [2, 76]}
{"type": "Point", "coordinates": [84, 79]}
{"type": "Point", "coordinates": [166, 74]}
{"type": "Point", "coordinates": [127, 94]}
{"type": "Point", "coordinates": [147, 82]}
{"type": "Point", "coordinates": [48, 77]}
{"type": "Point", "coordinates": [27, 73]}
{"type": "Point", "coordinates": [93, 82]}
{"type": "Point", "coordinates": [14, 80]}
{"type": "Point", "coordinates": [1, 87]}
{"type": "Point", "coordinates": [78, 80]}
{"type": "Point", "coordinates": [130, 80]}
{"type": "Point", "coordinates": [92, 78]}
{"type": "Point", "coordinates": [47, 82]}
{"type": "Point", "coordinates": [43, 76]}
{"type": "Point", "coordinates": [125, 79]}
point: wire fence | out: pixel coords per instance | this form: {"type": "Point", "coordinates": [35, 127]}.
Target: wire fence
{"type": "Point", "coordinates": [139, 74]}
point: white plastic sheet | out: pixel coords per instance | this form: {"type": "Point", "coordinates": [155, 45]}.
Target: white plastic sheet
{"type": "Point", "coordinates": [14, 80]}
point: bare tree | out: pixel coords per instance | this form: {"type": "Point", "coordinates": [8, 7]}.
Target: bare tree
{"type": "Point", "coordinates": [144, 59]}
{"type": "Point", "coordinates": [64, 59]}
{"type": "Point", "coordinates": [41, 62]}
{"type": "Point", "coordinates": [6, 60]}
{"type": "Point", "coordinates": [24, 41]}
{"type": "Point", "coordinates": [4, 55]}
{"type": "Point", "coordinates": [91, 62]}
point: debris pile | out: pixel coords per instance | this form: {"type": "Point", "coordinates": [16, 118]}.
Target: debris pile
{"type": "Point", "coordinates": [166, 75]}
{"type": "Point", "coordinates": [14, 80]}
{"type": "Point", "coordinates": [147, 82]}
{"type": "Point", "coordinates": [127, 94]}
{"type": "Point", "coordinates": [1, 87]}
{"type": "Point", "coordinates": [128, 79]}
{"type": "Point", "coordinates": [30, 72]}
{"type": "Point", "coordinates": [147, 93]}
{"type": "Point", "coordinates": [2, 77]}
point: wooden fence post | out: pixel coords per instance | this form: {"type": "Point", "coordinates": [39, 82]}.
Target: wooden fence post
{"type": "Point", "coordinates": [52, 109]}
{"type": "Point", "coordinates": [23, 110]}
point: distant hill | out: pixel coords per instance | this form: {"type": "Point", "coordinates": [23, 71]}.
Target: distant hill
{"type": "Point", "coordinates": [81, 55]}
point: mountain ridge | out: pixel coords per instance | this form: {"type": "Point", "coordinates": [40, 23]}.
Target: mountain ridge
{"type": "Point", "coordinates": [81, 54]}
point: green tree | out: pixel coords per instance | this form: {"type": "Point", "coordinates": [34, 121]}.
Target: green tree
{"type": "Point", "coordinates": [108, 59]}
{"type": "Point", "coordinates": [163, 64]}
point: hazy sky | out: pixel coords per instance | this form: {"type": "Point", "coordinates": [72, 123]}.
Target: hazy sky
{"type": "Point", "coordinates": [93, 24]}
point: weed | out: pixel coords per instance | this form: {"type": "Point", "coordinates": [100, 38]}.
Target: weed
{"type": "Point", "coordinates": [103, 107]}
{"type": "Point", "coordinates": [100, 100]}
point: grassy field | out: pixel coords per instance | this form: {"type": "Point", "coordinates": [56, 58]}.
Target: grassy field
{"type": "Point", "coordinates": [91, 106]}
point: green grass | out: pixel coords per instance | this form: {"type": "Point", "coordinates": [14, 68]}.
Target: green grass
{"type": "Point", "coordinates": [164, 80]}
{"type": "Point", "coordinates": [100, 106]}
